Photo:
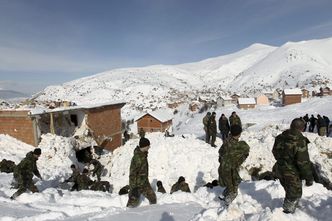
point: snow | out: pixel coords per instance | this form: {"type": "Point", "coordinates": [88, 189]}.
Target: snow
{"type": "Point", "coordinates": [249, 71]}
{"type": "Point", "coordinates": [245, 100]}
{"type": "Point", "coordinates": [293, 91]}
{"type": "Point", "coordinates": [161, 115]}
{"type": "Point", "coordinates": [184, 154]}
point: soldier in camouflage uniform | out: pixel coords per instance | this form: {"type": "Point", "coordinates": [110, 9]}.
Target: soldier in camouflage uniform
{"type": "Point", "coordinates": [83, 180]}
{"type": "Point", "coordinates": [205, 124]}
{"type": "Point", "coordinates": [234, 119]}
{"type": "Point", "coordinates": [212, 127]}
{"type": "Point", "coordinates": [293, 164]}
{"type": "Point", "coordinates": [24, 171]}
{"type": "Point", "coordinates": [73, 177]}
{"type": "Point", "coordinates": [160, 186]}
{"type": "Point", "coordinates": [231, 155]}
{"type": "Point", "coordinates": [180, 185]}
{"type": "Point", "coordinates": [139, 175]}
{"type": "Point", "coordinates": [97, 168]}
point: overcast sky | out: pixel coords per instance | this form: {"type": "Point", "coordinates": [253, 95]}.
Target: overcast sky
{"type": "Point", "coordinates": [45, 42]}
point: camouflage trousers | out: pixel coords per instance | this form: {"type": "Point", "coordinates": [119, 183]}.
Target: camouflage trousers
{"type": "Point", "coordinates": [230, 179]}
{"type": "Point", "coordinates": [146, 191]}
{"type": "Point", "coordinates": [292, 185]}
{"type": "Point", "coordinates": [23, 184]}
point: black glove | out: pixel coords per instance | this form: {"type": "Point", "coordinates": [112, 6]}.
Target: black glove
{"type": "Point", "coordinates": [309, 182]}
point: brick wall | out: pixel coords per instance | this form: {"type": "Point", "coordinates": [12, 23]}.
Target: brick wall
{"type": "Point", "coordinates": [17, 124]}
{"type": "Point", "coordinates": [107, 121]}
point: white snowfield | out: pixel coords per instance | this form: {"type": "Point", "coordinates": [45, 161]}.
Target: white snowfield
{"type": "Point", "coordinates": [248, 72]}
{"type": "Point", "coordinates": [185, 154]}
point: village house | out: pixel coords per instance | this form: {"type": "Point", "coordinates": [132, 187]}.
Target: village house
{"type": "Point", "coordinates": [325, 91]}
{"type": "Point", "coordinates": [103, 121]}
{"type": "Point", "coordinates": [305, 93]}
{"type": "Point", "coordinates": [262, 100]}
{"type": "Point", "coordinates": [224, 101]}
{"type": "Point", "coordinates": [235, 98]}
{"type": "Point", "coordinates": [246, 103]}
{"type": "Point", "coordinates": [156, 121]}
{"type": "Point", "coordinates": [291, 96]}
{"type": "Point", "coordinates": [194, 106]}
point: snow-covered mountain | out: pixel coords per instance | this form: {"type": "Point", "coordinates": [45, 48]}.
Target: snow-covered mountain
{"type": "Point", "coordinates": [251, 70]}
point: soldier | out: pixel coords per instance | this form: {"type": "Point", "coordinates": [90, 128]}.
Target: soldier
{"type": "Point", "coordinates": [141, 133]}
{"type": "Point", "coordinates": [160, 189]}
{"type": "Point", "coordinates": [104, 186]}
{"type": "Point", "coordinates": [293, 164]}
{"type": "Point", "coordinates": [306, 120]}
{"type": "Point", "coordinates": [212, 184]}
{"type": "Point", "coordinates": [312, 124]}
{"type": "Point", "coordinates": [205, 123]}
{"type": "Point", "coordinates": [73, 177]}
{"type": "Point", "coordinates": [97, 168]}
{"type": "Point", "coordinates": [212, 127]}
{"type": "Point", "coordinates": [231, 155]}
{"type": "Point", "coordinates": [139, 175]}
{"type": "Point", "coordinates": [83, 181]}
{"type": "Point", "coordinates": [180, 185]}
{"type": "Point", "coordinates": [234, 119]}
{"type": "Point", "coordinates": [223, 127]}
{"type": "Point", "coordinates": [24, 171]}
{"type": "Point", "coordinates": [321, 126]}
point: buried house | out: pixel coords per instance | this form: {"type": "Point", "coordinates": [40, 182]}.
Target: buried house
{"type": "Point", "coordinates": [103, 122]}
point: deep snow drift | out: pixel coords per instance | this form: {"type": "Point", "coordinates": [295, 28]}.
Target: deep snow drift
{"type": "Point", "coordinates": [170, 157]}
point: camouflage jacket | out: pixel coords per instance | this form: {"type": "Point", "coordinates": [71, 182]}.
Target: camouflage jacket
{"type": "Point", "coordinates": [83, 182]}
{"type": "Point", "coordinates": [183, 186]}
{"type": "Point", "coordinates": [74, 175]}
{"type": "Point", "coordinates": [139, 169]}
{"type": "Point", "coordinates": [212, 126]}
{"type": "Point", "coordinates": [235, 120]}
{"type": "Point", "coordinates": [231, 155]}
{"type": "Point", "coordinates": [205, 122]}
{"type": "Point", "coordinates": [290, 149]}
{"type": "Point", "coordinates": [27, 167]}
{"type": "Point", "coordinates": [97, 167]}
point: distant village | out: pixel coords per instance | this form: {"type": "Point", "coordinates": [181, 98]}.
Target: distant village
{"type": "Point", "coordinates": [65, 118]}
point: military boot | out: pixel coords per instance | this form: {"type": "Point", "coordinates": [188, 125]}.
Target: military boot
{"type": "Point", "coordinates": [290, 206]}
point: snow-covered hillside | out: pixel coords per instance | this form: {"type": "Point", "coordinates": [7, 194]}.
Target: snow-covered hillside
{"type": "Point", "coordinates": [254, 69]}
{"type": "Point", "coordinates": [185, 154]}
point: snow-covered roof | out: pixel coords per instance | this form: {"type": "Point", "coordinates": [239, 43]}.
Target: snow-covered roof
{"type": "Point", "coordinates": [293, 91]}
{"type": "Point", "coordinates": [242, 100]}
{"type": "Point", "coordinates": [226, 98]}
{"type": "Point", "coordinates": [161, 115]}
{"type": "Point", "coordinates": [38, 111]}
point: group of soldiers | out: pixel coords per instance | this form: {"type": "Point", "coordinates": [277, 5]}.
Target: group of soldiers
{"type": "Point", "coordinates": [290, 150]}
{"type": "Point", "coordinates": [210, 126]}
{"type": "Point", "coordinates": [24, 171]}
{"type": "Point", "coordinates": [321, 123]}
